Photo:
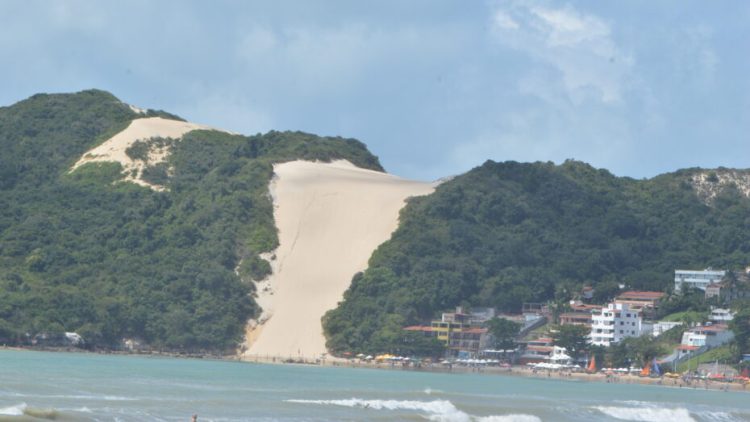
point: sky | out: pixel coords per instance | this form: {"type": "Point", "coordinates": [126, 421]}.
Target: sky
{"type": "Point", "coordinates": [433, 87]}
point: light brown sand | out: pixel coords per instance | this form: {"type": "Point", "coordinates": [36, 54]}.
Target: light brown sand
{"type": "Point", "coordinates": [331, 217]}
{"type": "Point", "coordinates": [113, 149]}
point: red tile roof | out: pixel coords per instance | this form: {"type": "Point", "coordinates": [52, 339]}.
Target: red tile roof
{"type": "Point", "coordinates": [636, 294]}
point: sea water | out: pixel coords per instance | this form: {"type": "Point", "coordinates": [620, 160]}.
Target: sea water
{"type": "Point", "coordinates": [89, 387]}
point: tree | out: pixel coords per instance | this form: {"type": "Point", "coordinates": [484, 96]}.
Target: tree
{"type": "Point", "coordinates": [740, 326]}
{"type": "Point", "coordinates": [573, 338]}
{"type": "Point", "coordinates": [504, 331]}
{"type": "Point", "coordinates": [606, 291]}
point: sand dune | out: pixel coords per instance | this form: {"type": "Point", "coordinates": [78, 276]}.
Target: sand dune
{"type": "Point", "coordinates": [113, 149]}
{"type": "Point", "coordinates": [331, 217]}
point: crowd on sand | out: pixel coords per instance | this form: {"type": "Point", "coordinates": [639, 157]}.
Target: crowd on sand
{"type": "Point", "coordinates": [509, 370]}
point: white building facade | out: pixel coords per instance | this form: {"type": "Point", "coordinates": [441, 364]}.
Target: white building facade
{"type": "Point", "coordinates": [614, 323]}
{"type": "Point", "coordinates": [696, 279]}
{"type": "Point", "coordinates": [721, 315]}
{"type": "Point", "coordinates": [714, 335]}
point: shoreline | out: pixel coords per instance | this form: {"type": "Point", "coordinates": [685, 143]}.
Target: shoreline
{"type": "Point", "coordinates": [514, 371]}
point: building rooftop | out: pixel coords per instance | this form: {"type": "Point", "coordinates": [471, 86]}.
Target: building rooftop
{"type": "Point", "coordinates": [426, 328]}
{"type": "Point", "coordinates": [637, 294]}
{"type": "Point", "coordinates": [717, 328]}
{"type": "Point", "coordinates": [584, 307]}
{"type": "Point", "coordinates": [575, 315]}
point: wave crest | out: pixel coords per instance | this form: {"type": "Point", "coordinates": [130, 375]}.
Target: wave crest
{"type": "Point", "coordinates": [436, 410]}
{"type": "Point", "coordinates": [646, 414]}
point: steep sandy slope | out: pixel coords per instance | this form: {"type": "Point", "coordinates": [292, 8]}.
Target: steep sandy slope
{"type": "Point", "coordinates": [143, 129]}
{"type": "Point", "coordinates": [331, 217]}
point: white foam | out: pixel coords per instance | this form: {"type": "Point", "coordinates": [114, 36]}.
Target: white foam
{"type": "Point", "coordinates": [15, 410]}
{"type": "Point", "coordinates": [508, 418]}
{"type": "Point", "coordinates": [647, 414]}
{"type": "Point", "coordinates": [436, 410]}
{"type": "Point", "coordinates": [720, 417]}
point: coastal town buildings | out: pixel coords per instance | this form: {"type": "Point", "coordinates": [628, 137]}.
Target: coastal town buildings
{"type": "Point", "coordinates": [614, 323]}
{"type": "Point", "coordinates": [462, 331]}
{"type": "Point", "coordinates": [645, 302]}
{"type": "Point", "coordinates": [709, 335]}
{"type": "Point", "coordinates": [696, 279]}
{"type": "Point", "coordinates": [537, 350]}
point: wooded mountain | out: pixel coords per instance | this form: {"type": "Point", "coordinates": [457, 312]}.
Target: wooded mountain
{"type": "Point", "coordinates": [507, 233]}
{"type": "Point", "coordinates": [80, 251]}
{"type": "Point", "coordinates": [83, 251]}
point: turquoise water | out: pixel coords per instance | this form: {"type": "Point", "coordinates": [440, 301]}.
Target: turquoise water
{"type": "Point", "coordinates": [73, 386]}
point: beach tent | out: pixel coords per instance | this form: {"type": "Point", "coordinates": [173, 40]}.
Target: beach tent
{"type": "Point", "coordinates": [646, 371]}
{"type": "Point", "coordinates": [592, 365]}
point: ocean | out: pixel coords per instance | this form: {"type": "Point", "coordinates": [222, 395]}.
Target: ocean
{"type": "Point", "coordinates": [39, 386]}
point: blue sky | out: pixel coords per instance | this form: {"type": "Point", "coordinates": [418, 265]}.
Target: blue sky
{"type": "Point", "coordinates": [434, 88]}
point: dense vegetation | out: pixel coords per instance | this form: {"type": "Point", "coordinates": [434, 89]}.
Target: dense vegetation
{"type": "Point", "coordinates": [80, 251]}
{"type": "Point", "coordinates": [507, 233]}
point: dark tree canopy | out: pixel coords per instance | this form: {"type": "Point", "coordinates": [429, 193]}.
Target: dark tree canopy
{"type": "Point", "coordinates": [80, 251]}
{"type": "Point", "coordinates": [508, 233]}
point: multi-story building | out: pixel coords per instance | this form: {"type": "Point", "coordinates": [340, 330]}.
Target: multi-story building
{"type": "Point", "coordinates": [614, 323]}
{"type": "Point", "coordinates": [461, 332]}
{"type": "Point", "coordinates": [696, 279]}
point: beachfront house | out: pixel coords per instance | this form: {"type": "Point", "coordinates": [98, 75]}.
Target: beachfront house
{"type": "Point", "coordinates": [536, 351]}
{"type": "Point", "coordinates": [614, 323]}
{"type": "Point", "coordinates": [709, 335]}
{"type": "Point", "coordinates": [696, 279]}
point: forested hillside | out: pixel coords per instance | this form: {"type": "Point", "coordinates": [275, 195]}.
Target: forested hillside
{"type": "Point", "coordinates": [80, 251]}
{"type": "Point", "coordinates": [507, 233]}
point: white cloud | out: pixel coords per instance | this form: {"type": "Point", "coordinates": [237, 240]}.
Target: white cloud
{"type": "Point", "coordinates": [578, 45]}
{"type": "Point", "coordinates": [504, 21]}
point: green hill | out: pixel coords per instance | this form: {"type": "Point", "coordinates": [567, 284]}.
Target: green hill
{"type": "Point", "coordinates": [507, 233]}
{"type": "Point", "coordinates": [80, 251]}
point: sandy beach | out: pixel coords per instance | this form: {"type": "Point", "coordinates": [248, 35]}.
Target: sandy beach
{"type": "Point", "coordinates": [330, 217]}
{"type": "Point", "coordinates": [515, 371]}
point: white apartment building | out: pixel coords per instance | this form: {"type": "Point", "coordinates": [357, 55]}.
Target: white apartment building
{"type": "Point", "coordinates": [614, 323]}
{"type": "Point", "coordinates": [696, 279]}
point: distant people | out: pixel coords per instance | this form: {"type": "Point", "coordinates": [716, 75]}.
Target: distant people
{"type": "Point", "coordinates": [194, 418]}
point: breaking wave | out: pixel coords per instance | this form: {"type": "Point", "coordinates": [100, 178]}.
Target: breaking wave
{"type": "Point", "coordinates": [436, 410]}
{"type": "Point", "coordinates": [15, 410]}
{"type": "Point", "coordinates": [22, 409]}
{"type": "Point", "coordinates": [646, 414]}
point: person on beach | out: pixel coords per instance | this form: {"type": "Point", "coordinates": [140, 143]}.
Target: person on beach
{"type": "Point", "coordinates": [194, 418]}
